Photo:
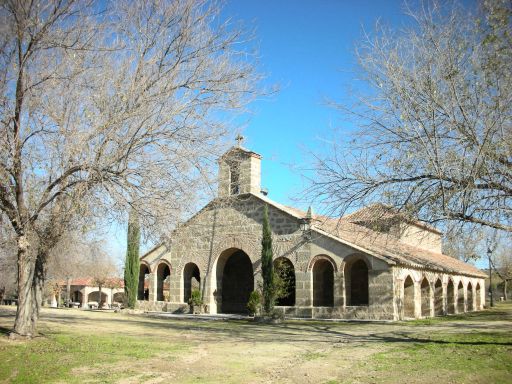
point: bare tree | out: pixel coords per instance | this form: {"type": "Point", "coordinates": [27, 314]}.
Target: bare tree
{"type": "Point", "coordinates": [465, 243]}
{"type": "Point", "coordinates": [500, 259]}
{"type": "Point", "coordinates": [433, 120]}
{"type": "Point", "coordinates": [105, 104]}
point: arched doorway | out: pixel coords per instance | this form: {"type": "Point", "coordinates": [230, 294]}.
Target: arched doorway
{"type": "Point", "coordinates": [425, 298]}
{"type": "Point", "coordinates": [356, 283]}
{"type": "Point", "coordinates": [284, 268]}
{"type": "Point", "coordinates": [438, 298]}
{"type": "Point", "coordinates": [235, 280]}
{"type": "Point", "coordinates": [450, 298]}
{"type": "Point", "coordinates": [470, 297]}
{"type": "Point", "coordinates": [408, 297]}
{"type": "Point", "coordinates": [95, 297]}
{"type": "Point", "coordinates": [77, 297]}
{"type": "Point", "coordinates": [163, 274]}
{"type": "Point", "coordinates": [323, 283]}
{"type": "Point", "coordinates": [191, 280]}
{"type": "Point", "coordinates": [143, 288]}
{"type": "Point", "coordinates": [118, 298]}
{"type": "Point", "coordinates": [478, 297]}
{"type": "Point", "coordinates": [460, 297]}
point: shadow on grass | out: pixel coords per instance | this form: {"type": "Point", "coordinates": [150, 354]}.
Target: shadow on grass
{"type": "Point", "coordinates": [301, 331]}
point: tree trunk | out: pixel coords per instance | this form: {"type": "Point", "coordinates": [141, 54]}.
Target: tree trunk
{"type": "Point", "coordinates": [505, 283]}
{"type": "Point", "coordinates": [68, 290]}
{"type": "Point", "coordinates": [38, 284]}
{"type": "Point", "coordinates": [24, 325]}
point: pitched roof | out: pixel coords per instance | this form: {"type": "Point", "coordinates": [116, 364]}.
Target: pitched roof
{"type": "Point", "coordinates": [378, 244]}
{"type": "Point", "coordinates": [379, 212]}
{"type": "Point", "coordinates": [391, 248]}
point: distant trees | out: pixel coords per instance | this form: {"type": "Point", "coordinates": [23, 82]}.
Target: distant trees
{"type": "Point", "coordinates": [102, 103]}
{"type": "Point", "coordinates": [433, 120]}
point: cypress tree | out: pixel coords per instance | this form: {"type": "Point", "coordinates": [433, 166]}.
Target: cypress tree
{"type": "Point", "coordinates": [132, 262]}
{"type": "Point", "coordinates": [267, 267]}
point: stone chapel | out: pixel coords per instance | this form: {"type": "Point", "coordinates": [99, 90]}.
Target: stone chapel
{"type": "Point", "coordinates": [375, 263]}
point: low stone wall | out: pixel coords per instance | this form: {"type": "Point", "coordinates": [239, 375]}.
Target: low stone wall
{"type": "Point", "coordinates": [161, 306]}
{"type": "Point", "coordinates": [361, 312]}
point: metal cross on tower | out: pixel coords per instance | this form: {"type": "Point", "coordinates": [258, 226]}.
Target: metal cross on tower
{"type": "Point", "coordinates": [239, 138]}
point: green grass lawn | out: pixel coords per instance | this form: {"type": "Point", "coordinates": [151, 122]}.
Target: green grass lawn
{"type": "Point", "coordinates": [87, 347]}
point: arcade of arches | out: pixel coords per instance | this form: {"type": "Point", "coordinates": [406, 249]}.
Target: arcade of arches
{"type": "Point", "coordinates": [235, 278]}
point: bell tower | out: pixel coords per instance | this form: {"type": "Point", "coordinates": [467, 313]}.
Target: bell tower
{"type": "Point", "coordinates": [239, 171]}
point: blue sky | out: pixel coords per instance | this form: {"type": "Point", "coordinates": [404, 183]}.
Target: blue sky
{"type": "Point", "coordinates": [307, 48]}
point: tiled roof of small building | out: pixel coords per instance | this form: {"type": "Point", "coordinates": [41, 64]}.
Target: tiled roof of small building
{"type": "Point", "coordinates": [89, 282]}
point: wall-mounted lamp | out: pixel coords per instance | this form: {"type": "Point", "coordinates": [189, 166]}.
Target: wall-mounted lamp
{"type": "Point", "coordinates": [305, 224]}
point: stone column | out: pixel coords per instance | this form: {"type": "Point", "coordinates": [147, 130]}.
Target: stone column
{"type": "Point", "coordinates": [338, 289]}
{"type": "Point", "coordinates": [152, 287]}
{"type": "Point", "coordinates": [303, 289]}
{"type": "Point", "coordinates": [417, 300]}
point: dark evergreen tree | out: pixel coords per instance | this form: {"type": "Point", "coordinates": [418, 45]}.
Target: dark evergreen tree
{"type": "Point", "coordinates": [267, 267]}
{"type": "Point", "coordinates": [132, 262]}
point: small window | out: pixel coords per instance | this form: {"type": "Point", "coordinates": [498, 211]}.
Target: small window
{"type": "Point", "coordinates": [234, 174]}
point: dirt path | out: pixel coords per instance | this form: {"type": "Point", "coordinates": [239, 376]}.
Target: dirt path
{"type": "Point", "coordinates": [243, 352]}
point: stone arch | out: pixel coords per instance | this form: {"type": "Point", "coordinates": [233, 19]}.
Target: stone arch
{"type": "Point", "coordinates": [356, 281]}
{"type": "Point", "coordinates": [191, 280]}
{"type": "Point", "coordinates": [143, 288]}
{"type": "Point", "coordinates": [408, 297]}
{"type": "Point", "coordinates": [235, 280]}
{"type": "Point", "coordinates": [438, 298]}
{"type": "Point", "coordinates": [470, 305]}
{"type": "Point", "coordinates": [163, 274]}
{"type": "Point", "coordinates": [118, 297]}
{"type": "Point", "coordinates": [478, 297]}
{"type": "Point", "coordinates": [425, 298]}
{"type": "Point", "coordinates": [460, 297]}
{"type": "Point", "coordinates": [450, 297]}
{"type": "Point", "coordinates": [95, 296]}
{"type": "Point", "coordinates": [323, 281]}
{"type": "Point", "coordinates": [322, 257]}
{"type": "Point", "coordinates": [77, 297]}
{"type": "Point", "coordinates": [287, 269]}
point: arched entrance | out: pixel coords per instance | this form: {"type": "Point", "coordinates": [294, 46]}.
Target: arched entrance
{"type": "Point", "coordinates": [191, 280]}
{"type": "Point", "coordinates": [425, 298]}
{"type": "Point", "coordinates": [323, 283]}
{"type": "Point", "coordinates": [460, 297]}
{"type": "Point", "coordinates": [356, 283]}
{"type": "Point", "coordinates": [95, 297]}
{"type": "Point", "coordinates": [450, 298]}
{"type": "Point", "coordinates": [470, 297]}
{"type": "Point", "coordinates": [438, 298]}
{"type": "Point", "coordinates": [77, 297]}
{"type": "Point", "coordinates": [408, 297]}
{"type": "Point", "coordinates": [163, 274]}
{"type": "Point", "coordinates": [284, 268]}
{"type": "Point", "coordinates": [143, 288]}
{"type": "Point", "coordinates": [118, 298]}
{"type": "Point", "coordinates": [235, 281]}
{"type": "Point", "coordinates": [478, 297]}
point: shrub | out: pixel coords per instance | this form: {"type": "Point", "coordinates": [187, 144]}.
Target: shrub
{"type": "Point", "coordinates": [254, 303]}
{"type": "Point", "coordinates": [195, 298]}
